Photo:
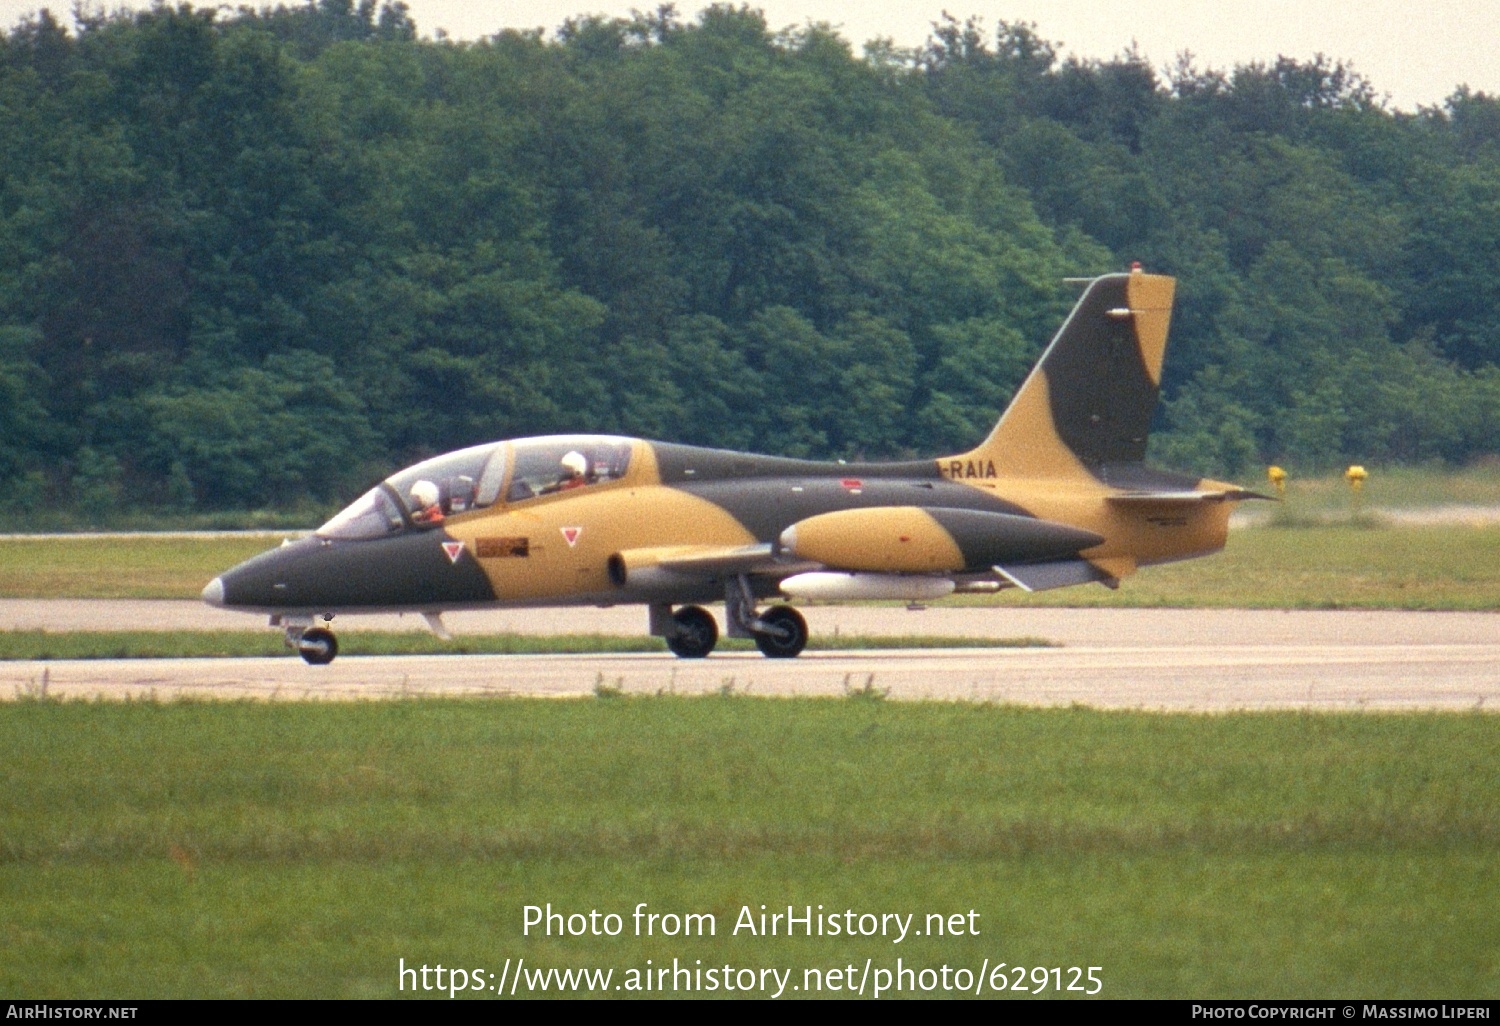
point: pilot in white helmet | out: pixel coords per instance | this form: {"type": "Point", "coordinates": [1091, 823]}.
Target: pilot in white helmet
{"type": "Point", "coordinates": [424, 496]}
{"type": "Point", "coordinates": [575, 467]}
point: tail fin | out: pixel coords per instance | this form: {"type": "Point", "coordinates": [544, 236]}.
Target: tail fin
{"type": "Point", "coordinates": [1088, 402]}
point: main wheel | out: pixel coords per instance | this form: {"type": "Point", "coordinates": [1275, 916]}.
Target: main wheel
{"type": "Point", "coordinates": [695, 635]}
{"type": "Point", "coordinates": [318, 646]}
{"type": "Point", "coordinates": [786, 633]}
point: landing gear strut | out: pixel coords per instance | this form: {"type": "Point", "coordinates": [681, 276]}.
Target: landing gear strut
{"type": "Point", "coordinates": [785, 633]}
{"type": "Point", "coordinates": [780, 632]}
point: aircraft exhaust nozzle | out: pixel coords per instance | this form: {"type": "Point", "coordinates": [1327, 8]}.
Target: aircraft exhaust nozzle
{"type": "Point", "coordinates": [639, 568]}
{"type": "Point", "coordinates": [836, 587]}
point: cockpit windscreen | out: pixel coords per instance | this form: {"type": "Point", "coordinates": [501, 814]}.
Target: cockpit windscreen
{"type": "Point", "coordinates": [456, 482]}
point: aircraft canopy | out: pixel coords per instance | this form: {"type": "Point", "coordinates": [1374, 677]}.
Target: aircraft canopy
{"type": "Point", "coordinates": [481, 476]}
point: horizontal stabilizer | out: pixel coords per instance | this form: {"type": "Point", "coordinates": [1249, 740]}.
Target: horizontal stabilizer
{"type": "Point", "coordinates": [1061, 574]}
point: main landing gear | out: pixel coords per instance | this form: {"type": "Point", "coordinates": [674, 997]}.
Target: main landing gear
{"type": "Point", "coordinates": [783, 633]}
{"type": "Point", "coordinates": [693, 633]}
{"type": "Point", "coordinates": [690, 632]}
{"type": "Point", "coordinates": [317, 645]}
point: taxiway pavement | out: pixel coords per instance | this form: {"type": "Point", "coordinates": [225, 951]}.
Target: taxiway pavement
{"type": "Point", "coordinates": [1169, 659]}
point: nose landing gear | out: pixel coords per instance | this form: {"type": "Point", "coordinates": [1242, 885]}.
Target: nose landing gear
{"type": "Point", "coordinates": [317, 645]}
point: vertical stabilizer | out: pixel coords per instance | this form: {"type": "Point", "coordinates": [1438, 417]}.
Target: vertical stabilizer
{"type": "Point", "coordinates": [1088, 402]}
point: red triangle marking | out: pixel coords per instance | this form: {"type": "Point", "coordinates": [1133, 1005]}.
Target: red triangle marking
{"type": "Point", "coordinates": [454, 550]}
{"type": "Point", "coordinates": [571, 535]}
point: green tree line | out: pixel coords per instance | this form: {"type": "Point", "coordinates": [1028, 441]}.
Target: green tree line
{"type": "Point", "coordinates": [262, 257]}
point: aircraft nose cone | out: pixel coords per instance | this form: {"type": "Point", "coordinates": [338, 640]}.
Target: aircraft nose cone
{"type": "Point", "coordinates": [213, 594]}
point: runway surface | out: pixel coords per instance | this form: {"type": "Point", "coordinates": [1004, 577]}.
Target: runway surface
{"type": "Point", "coordinates": [1150, 628]}
{"type": "Point", "coordinates": [1203, 660]}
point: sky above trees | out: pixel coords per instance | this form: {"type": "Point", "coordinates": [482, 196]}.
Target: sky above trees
{"type": "Point", "coordinates": [1417, 53]}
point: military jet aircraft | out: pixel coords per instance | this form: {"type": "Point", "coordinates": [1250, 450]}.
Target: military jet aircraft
{"type": "Point", "coordinates": [1058, 494]}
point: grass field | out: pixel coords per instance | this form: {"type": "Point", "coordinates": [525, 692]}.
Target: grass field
{"type": "Point", "coordinates": [1454, 567]}
{"type": "Point", "coordinates": [1328, 496]}
{"type": "Point", "coordinates": [140, 567]}
{"type": "Point", "coordinates": [197, 849]}
{"type": "Point", "coordinates": [235, 849]}
{"type": "Point", "coordinates": [1320, 556]}
{"type": "Point", "coordinates": [1334, 566]}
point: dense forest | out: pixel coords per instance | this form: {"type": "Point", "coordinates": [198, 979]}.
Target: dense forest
{"type": "Point", "coordinates": [263, 257]}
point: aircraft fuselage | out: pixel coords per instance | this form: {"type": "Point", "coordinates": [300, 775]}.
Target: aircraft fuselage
{"type": "Point", "coordinates": [557, 549]}
{"type": "Point", "coordinates": [1057, 495]}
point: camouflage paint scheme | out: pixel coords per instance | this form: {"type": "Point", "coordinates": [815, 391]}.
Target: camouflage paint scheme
{"type": "Point", "coordinates": [1057, 494]}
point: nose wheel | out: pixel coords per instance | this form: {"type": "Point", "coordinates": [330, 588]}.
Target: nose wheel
{"type": "Point", "coordinates": [317, 645]}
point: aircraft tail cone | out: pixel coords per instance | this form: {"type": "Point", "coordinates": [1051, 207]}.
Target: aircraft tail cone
{"type": "Point", "coordinates": [213, 594]}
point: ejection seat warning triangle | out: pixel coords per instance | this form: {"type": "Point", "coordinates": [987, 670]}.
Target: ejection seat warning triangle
{"type": "Point", "coordinates": [454, 550]}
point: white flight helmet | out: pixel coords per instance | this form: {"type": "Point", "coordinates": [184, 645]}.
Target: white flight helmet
{"type": "Point", "coordinates": [575, 463]}
{"type": "Point", "coordinates": [424, 493]}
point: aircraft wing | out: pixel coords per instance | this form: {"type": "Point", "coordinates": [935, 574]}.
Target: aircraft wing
{"type": "Point", "coordinates": [718, 559]}
{"type": "Point", "coordinates": [1183, 498]}
{"type": "Point", "coordinates": [705, 561]}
